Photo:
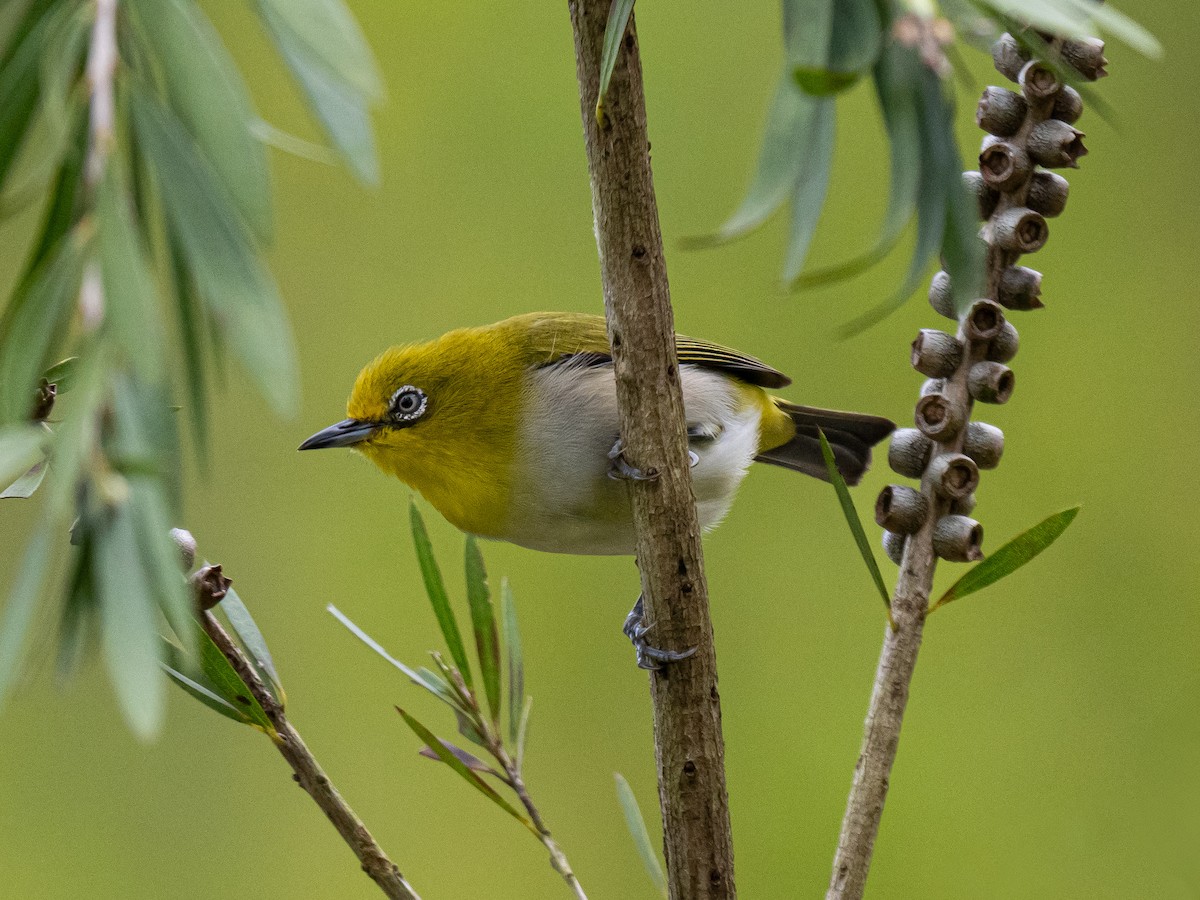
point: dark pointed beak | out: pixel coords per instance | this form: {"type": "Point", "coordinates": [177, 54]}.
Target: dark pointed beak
{"type": "Point", "coordinates": [346, 433]}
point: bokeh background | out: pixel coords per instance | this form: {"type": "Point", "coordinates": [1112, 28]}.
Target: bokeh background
{"type": "Point", "coordinates": [1052, 745]}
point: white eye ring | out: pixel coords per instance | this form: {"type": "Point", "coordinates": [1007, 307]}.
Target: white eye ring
{"type": "Point", "coordinates": [407, 404]}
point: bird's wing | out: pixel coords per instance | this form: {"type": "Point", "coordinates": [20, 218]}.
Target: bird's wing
{"type": "Point", "coordinates": [582, 339]}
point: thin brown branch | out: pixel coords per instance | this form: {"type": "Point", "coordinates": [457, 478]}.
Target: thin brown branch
{"type": "Point", "coordinates": [309, 774]}
{"type": "Point", "coordinates": [687, 713]}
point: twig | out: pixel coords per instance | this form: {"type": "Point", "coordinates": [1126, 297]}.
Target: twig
{"type": "Point", "coordinates": [947, 449]}
{"type": "Point", "coordinates": [310, 775]}
{"type": "Point", "coordinates": [687, 712]}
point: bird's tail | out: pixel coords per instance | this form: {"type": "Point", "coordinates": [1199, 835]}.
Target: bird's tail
{"type": "Point", "coordinates": [850, 435]}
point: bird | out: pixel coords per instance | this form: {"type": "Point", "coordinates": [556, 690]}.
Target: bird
{"type": "Point", "coordinates": [510, 431]}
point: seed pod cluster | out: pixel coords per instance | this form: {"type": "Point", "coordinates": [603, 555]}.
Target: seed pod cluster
{"type": "Point", "coordinates": [1030, 130]}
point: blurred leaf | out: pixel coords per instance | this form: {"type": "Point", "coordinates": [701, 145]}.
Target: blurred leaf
{"type": "Point", "coordinates": [79, 612]}
{"type": "Point", "coordinates": [160, 556]}
{"type": "Point", "coordinates": [20, 448]}
{"type": "Point", "coordinates": [174, 667]}
{"type": "Point", "coordinates": [483, 619]}
{"type": "Point", "coordinates": [62, 374]}
{"type": "Point", "coordinates": [219, 253]}
{"type": "Point", "coordinates": [470, 760]}
{"type": "Point", "coordinates": [207, 93]}
{"type": "Point", "coordinates": [61, 214]}
{"type": "Point", "coordinates": [852, 47]}
{"type": "Point", "coordinates": [22, 600]}
{"type": "Point", "coordinates": [436, 745]}
{"type": "Point", "coordinates": [1016, 553]}
{"type": "Point", "coordinates": [516, 662]}
{"type": "Point", "coordinates": [1077, 19]}
{"type": "Point", "coordinates": [252, 639]}
{"type": "Point", "coordinates": [13, 15]}
{"type": "Point", "coordinates": [193, 334]}
{"type": "Point", "coordinates": [823, 83]}
{"type": "Point", "coordinates": [851, 514]}
{"type": "Point", "coordinates": [811, 185]}
{"type": "Point", "coordinates": [435, 587]}
{"type": "Point", "coordinates": [637, 830]}
{"type": "Point", "coordinates": [322, 45]}
{"type": "Point", "coordinates": [614, 36]}
{"type": "Point", "coordinates": [129, 622]}
{"type": "Point", "coordinates": [19, 84]}
{"type": "Point", "coordinates": [25, 486]}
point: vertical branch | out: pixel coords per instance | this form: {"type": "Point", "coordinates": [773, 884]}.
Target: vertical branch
{"type": "Point", "coordinates": [687, 714]}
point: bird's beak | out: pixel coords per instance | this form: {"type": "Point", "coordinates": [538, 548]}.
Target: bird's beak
{"type": "Point", "coordinates": [346, 433]}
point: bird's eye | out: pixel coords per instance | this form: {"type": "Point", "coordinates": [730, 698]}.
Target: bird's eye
{"type": "Point", "coordinates": [407, 404]}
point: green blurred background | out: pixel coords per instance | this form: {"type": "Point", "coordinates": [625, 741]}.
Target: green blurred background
{"type": "Point", "coordinates": [1052, 746]}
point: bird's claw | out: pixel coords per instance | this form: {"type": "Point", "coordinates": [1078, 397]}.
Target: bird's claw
{"type": "Point", "coordinates": [619, 468]}
{"type": "Point", "coordinates": [648, 657]}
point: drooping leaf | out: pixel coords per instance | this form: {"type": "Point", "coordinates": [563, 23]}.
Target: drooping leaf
{"type": "Point", "coordinates": [483, 620]}
{"type": "Point", "coordinates": [220, 677]}
{"type": "Point", "coordinates": [614, 37]}
{"type": "Point", "coordinates": [328, 32]}
{"type": "Point", "coordinates": [516, 662]}
{"type": "Point", "coordinates": [160, 556]}
{"type": "Point", "coordinates": [637, 830]}
{"type": "Point", "coordinates": [435, 744]}
{"type": "Point", "coordinates": [22, 601]}
{"type": "Point", "coordinates": [1077, 19]}
{"type": "Point", "coordinates": [852, 519]}
{"type": "Point", "coordinates": [376, 646]}
{"type": "Point", "coordinates": [1012, 556]}
{"type": "Point", "coordinates": [195, 684]}
{"type": "Point", "coordinates": [852, 46]}
{"type": "Point", "coordinates": [811, 185]}
{"type": "Point", "coordinates": [436, 589]}
{"type": "Point", "coordinates": [252, 639]}
{"type": "Point", "coordinates": [470, 760]}
{"type": "Point", "coordinates": [20, 448]}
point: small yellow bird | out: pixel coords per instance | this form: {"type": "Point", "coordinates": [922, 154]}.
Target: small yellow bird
{"type": "Point", "coordinates": [510, 430]}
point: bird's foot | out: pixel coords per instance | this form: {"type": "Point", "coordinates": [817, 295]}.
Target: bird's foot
{"type": "Point", "coordinates": [648, 657]}
{"type": "Point", "coordinates": [619, 468]}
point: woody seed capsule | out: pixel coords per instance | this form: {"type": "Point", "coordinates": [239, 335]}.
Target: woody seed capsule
{"type": "Point", "coordinates": [1086, 57]}
{"type": "Point", "coordinates": [984, 321]}
{"type": "Point", "coordinates": [909, 452]}
{"type": "Point", "coordinates": [987, 197]}
{"type": "Point", "coordinates": [1000, 111]}
{"type": "Point", "coordinates": [1003, 165]}
{"type": "Point", "coordinates": [953, 475]}
{"type": "Point", "coordinates": [936, 354]}
{"type": "Point", "coordinates": [984, 444]}
{"type": "Point", "coordinates": [1009, 57]}
{"type": "Point", "coordinates": [958, 539]}
{"type": "Point", "coordinates": [1020, 230]}
{"type": "Point", "coordinates": [1056, 144]}
{"type": "Point", "coordinates": [1038, 82]}
{"type": "Point", "coordinates": [941, 296]}
{"type": "Point", "coordinates": [1047, 193]}
{"type": "Point", "coordinates": [1068, 105]}
{"type": "Point", "coordinates": [937, 418]}
{"type": "Point", "coordinates": [901, 509]}
{"type": "Point", "coordinates": [1020, 288]}
{"type": "Point", "coordinates": [893, 546]}
{"type": "Point", "coordinates": [1004, 346]}
{"type": "Point", "coordinates": [990, 382]}
{"type": "Point", "coordinates": [932, 386]}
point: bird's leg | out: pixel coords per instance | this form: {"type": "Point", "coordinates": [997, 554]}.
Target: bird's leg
{"type": "Point", "coordinates": [619, 467]}
{"type": "Point", "coordinates": [648, 657]}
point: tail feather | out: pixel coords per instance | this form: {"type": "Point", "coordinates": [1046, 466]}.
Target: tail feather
{"type": "Point", "coordinates": [850, 436]}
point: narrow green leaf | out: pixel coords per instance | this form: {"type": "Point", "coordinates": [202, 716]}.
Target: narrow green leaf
{"type": "Point", "coordinates": [327, 31]}
{"type": "Point", "coordinates": [219, 253]}
{"type": "Point", "coordinates": [1016, 553]}
{"type": "Point", "coordinates": [252, 639]}
{"type": "Point", "coordinates": [20, 448]}
{"type": "Point", "coordinates": [205, 696]}
{"type": "Point", "coordinates": [62, 374]}
{"type": "Point", "coordinates": [824, 83]}
{"type": "Point", "coordinates": [523, 732]}
{"type": "Point", "coordinates": [614, 37]}
{"type": "Point", "coordinates": [811, 186]}
{"type": "Point", "coordinates": [376, 646]}
{"type": "Point", "coordinates": [13, 16]}
{"type": "Point", "coordinates": [468, 759]}
{"type": "Point", "coordinates": [160, 556]}
{"type": "Point", "coordinates": [208, 94]}
{"type": "Point", "coordinates": [435, 587]}
{"type": "Point", "coordinates": [1078, 19]}
{"type": "Point", "coordinates": [61, 213]}
{"type": "Point", "coordinates": [220, 677]}
{"type": "Point", "coordinates": [129, 623]}
{"type": "Point", "coordinates": [434, 743]}
{"type": "Point", "coordinates": [78, 617]}
{"type": "Point", "coordinates": [19, 78]}
{"type": "Point", "coordinates": [516, 662]}
{"type": "Point", "coordinates": [637, 830]}
{"type": "Point", "coordinates": [439, 687]}
{"type": "Point", "coordinates": [22, 601]}
{"type": "Point", "coordinates": [483, 620]}
{"type": "Point", "coordinates": [856, 35]}
{"type": "Point", "coordinates": [193, 333]}
{"type": "Point", "coordinates": [851, 514]}
{"type": "Point", "coordinates": [1120, 25]}
{"type": "Point", "coordinates": [25, 486]}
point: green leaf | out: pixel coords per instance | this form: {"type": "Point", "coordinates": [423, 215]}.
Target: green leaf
{"type": "Point", "coordinates": [483, 621]}
{"type": "Point", "coordinates": [470, 760]}
{"type": "Point", "coordinates": [78, 617]}
{"type": "Point", "coordinates": [523, 732]}
{"type": "Point", "coordinates": [129, 623]}
{"type": "Point", "coordinates": [436, 589]}
{"type": "Point", "coordinates": [851, 514]}
{"type": "Point", "coordinates": [439, 748]}
{"type": "Point", "coordinates": [19, 79]}
{"type": "Point", "coordinates": [614, 36]}
{"type": "Point", "coordinates": [20, 448]}
{"type": "Point", "coordinates": [193, 333]}
{"type": "Point", "coordinates": [61, 213]}
{"type": "Point", "coordinates": [25, 486]}
{"type": "Point", "coordinates": [637, 830]}
{"type": "Point", "coordinates": [252, 639]}
{"type": "Point", "coordinates": [414, 675]}
{"type": "Point", "coordinates": [62, 374]}
{"type": "Point", "coordinates": [222, 679]}
{"type": "Point", "coordinates": [1016, 553]}
{"type": "Point", "coordinates": [219, 253]}
{"type": "Point", "coordinates": [811, 185]}
{"type": "Point", "coordinates": [320, 42]}
{"type": "Point", "coordinates": [207, 93]}
{"type": "Point", "coordinates": [1078, 19]}
{"type": "Point", "coordinates": [824, 83]}
{"type": "Point", "coordinates": [516, 662]}
{"type": "Point", "coordinates": [160, 556]}
{"type": "Point", "coordinates": [175, 666]}
{"type": "Point", "coordinates": [22, 601]}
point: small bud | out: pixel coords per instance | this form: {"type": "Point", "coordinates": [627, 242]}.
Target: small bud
{"type": "Point", "coordinates": [941, 296]}
{"type": "Point", "coordinates": [1009, 57]}
{"type": "Point", "coordinates": [932, 386]}
{"type": "Point", "coordinates": [984, 444]}
{"type": "Point", "coordinates": [1004, 346]}
{"type": "Point", "coordinates": [953, 475]}
{"type": "Point", "coordinates": [958, 539]}
{"type": "Point", "coordinates": [983, 322]}
{"type": "Point", "coordinates": [187, 547]}
{"type": "Point", "coordinates": [1000, 111]}
{"type": "Point", "coordinates": [935, 353]}
{"type": "Point", "coordinates": [1004, 166]}
{"type": "Point", "coordinates": [1047, 194]}
{"type": "Point", "coordinates": [909, 452]}
{"type": "Point", "coordinates": [938, 418]}
{"type": "Point", "coordinates": [991, 382]}
{"type": "Point", "coordinates": [209, 586]}
{"type": "Point", "coordinates": [43, 403]}
{"type": "Point", "coordinates": [1056, 144]}
{"type": "Point", "coordinates": [901, 509]}
{"type": "Point", "coordinates": [985, 196]}
{"type": "Point", "coordinates": [963, 505]}
{"type": "Point", "coordinates": [893, 546]}
{"type": "Point", "coordinates": [1020, 288]}
{"type": "Point", "coordinates": [1086, 57]}
{"type": "Point", "coordinates": [1068, 106]}
{"type": "Point", "coordinates": [1038, 82]}
{"type": "Point", "coordinates": [1020, 230]}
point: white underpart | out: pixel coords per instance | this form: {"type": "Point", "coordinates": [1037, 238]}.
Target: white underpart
{"type": "Point", "coordinates": [563, 500]}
